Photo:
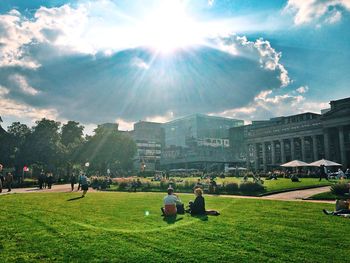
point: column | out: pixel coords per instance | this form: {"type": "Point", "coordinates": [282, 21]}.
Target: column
{"type": "Point", "coordinates": [314, 147]}
{"type": "Point", "coordinates": [256, 156]}
{"type": "Point", "coordinates": [273, 153]}
{"type": "Point", "coordinates": [264, 155]}
{"type": "Point", "coordinates": [326, 144]}
{"type": "Point", "coordinates": [292, 148]}
{"type": "Point", "coordinates": [303, 155]}
{"type": "Point", "coordinates": [283, 153]}
{"type": "Point", "coordinates": [247, 156]}
{"type": "Point", "coordinates": [342, 147]}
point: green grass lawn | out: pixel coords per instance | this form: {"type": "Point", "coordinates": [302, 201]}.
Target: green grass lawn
{"type": "Point", "coordinates": [285, 184]}
{"type": "Point", "coordinates": [324, 196]}
{"type": "Point", "coordinates": [115, 227]}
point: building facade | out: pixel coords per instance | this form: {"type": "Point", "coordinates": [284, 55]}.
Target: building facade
{"type": "Point", "coordinates": [197, 141]}
{"type": "Point", "coordinates": [149, 138]}
{"type": "Point", "coordinates": [307, 137]}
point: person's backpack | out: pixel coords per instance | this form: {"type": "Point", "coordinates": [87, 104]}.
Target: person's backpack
{"type": "Point", "coordinates": [180, 209]}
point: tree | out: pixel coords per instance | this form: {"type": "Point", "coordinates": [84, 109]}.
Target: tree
{"type": "Point", "coordinates": [43, 145]}
{"type": "Point", "coordinates": [72, 133]}
{"type": "Point", "coordinates": [72, 139]}
{"type": "Point", "coordinates": [13, 141]}
{"type": "Point", "coordinates": [109, 148]}
{"type": "Point", "coordinates": [5, 148]}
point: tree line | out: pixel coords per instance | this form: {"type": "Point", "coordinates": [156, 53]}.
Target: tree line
{"type": "Point", "coordinates": [57, 148]}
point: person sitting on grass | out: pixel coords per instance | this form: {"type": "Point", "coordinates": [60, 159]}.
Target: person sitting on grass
{"type": "Point", "coordinates": [172, 203]}
{"type": "Point", "coordinates": [198, 206]}
{"type": "Point", "coordinates": [83, 181]}
{"type": "Point", "coordinates": [342, 207]}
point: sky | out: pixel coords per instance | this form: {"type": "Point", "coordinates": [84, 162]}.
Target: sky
{"type": "Point", "coordinates": [129, 60]}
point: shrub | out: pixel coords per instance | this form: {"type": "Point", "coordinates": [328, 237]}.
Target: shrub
{"type": "Point", "coordinates": [340, 189]}
{"type": "Point", "coordinates": [251, 187]}
{"type": "Point", "coordinates": [146, 186]}
{"type": "Point", "coordinates": [163, 184]}
{"type": "Point", "coordinates": [294, 178]}
{"type": "Point", "coordinates": [231, 188]}
{"type": "Point", "coordinates": [122, 185]}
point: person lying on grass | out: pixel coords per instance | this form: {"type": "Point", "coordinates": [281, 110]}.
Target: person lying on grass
{"type": "Point", "coordinates": [172, 204]}
{"type": "Point", "coordinates": [198, 206]}
{"type": "Point", "coordinates": [342, 207]}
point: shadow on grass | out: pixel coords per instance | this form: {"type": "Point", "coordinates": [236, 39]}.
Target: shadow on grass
{"type": "Point", "coordinates": [201, 217]}
{"type": "Point", "coordinates": [172, 219]}
{"type": "Point", "coordinates": [75, 198]}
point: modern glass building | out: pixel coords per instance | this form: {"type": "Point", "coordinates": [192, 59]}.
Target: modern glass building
{"type": "Point", "coordinates": [183, 131]}
{"type": "Point", "coordinates": [198, 141]}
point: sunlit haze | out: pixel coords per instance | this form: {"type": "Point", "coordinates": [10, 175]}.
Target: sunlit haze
{"type": "Point", "coordinates": [125, 61]}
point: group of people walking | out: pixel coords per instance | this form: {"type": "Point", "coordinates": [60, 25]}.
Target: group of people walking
{"type": "Point", "coordinates": [5, 180]}
{"type": "Point", "coordinates": [45, 180]}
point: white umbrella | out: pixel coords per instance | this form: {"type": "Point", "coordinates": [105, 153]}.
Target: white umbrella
{"type": "Point", "coordinates": [325, 163]}
{"type": "Point", "coordinates": [295, 163]}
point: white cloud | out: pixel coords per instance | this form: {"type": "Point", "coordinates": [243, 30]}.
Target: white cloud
{"type": "Point", "coordinates": [334, 17]}
{"type": "Point", "coordinates": [161, 118]}
{"type": "Point", "coordinates": [22, 83]}
{"type": "Point", "coordinates": [13, 108]}
{"type": "Point", "coordinates": [268, 57]}
{"type": "Point", "coordinates": [140, 63]}
{"type": "Point", "coordinates": [267, 104]}
{"type": "Point", "coordinates": [124, 125]}
{"type": "Point", "coordinates": [211, 2]}
{"type": "Point", "coordinates": [3, 91]}
{"type": "Point", "coordinates": [307, 11]}
{"type": "Point", "coordinates": [302, 89]}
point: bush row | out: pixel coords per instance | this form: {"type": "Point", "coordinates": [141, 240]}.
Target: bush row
{"type": "Point", "coordinates": [187, 186]}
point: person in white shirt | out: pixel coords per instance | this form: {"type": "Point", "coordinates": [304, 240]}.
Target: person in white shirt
{"type": "Point", "coordinates": [171, 201]}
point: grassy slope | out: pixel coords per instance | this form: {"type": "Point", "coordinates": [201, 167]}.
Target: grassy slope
{"type": "Point", "coordinates": [113, 227]}
{"type": "Point", "coordinates": [324, 196]}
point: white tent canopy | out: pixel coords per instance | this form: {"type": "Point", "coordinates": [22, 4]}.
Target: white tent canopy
{"type": "Point", "coordinates": [295, 163]}
{"type": "Point", "coordinates": [325, 163]}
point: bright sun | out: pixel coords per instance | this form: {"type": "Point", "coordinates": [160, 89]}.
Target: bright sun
{"type": "Point", "coordinates": [169, 28]}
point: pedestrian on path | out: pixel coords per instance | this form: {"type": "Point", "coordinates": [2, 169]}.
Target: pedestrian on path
{"type": "Point", "coordinates": [73, 181]}
{"type": "Point", "coordinates": [2, 179]}
{"type": "Point", "coordinates": [84, 184]}
{"type": "Point", "coordinates": [9, 180]}
{"type": "Point", "coordinates": [41, 179]}
{"type": "Point", "coordinates": [323, 172]}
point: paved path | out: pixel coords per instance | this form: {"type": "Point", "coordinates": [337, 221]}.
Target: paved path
{"type": "Point", "coordinates": [60, 188]}
{"type": "Point", "coordinates": [298, 195]}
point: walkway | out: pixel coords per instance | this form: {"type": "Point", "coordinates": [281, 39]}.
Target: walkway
{"type": "Point", "coordinates": [298, 195]}
{"type": "Point", "coordinates": [59, 188]}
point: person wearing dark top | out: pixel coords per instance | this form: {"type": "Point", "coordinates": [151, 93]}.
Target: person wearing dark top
{"type": "Point", "coordinates": [73, 181]}
{"type": "Point", "coordinates": [323, 173]}
{"type": "Point", "coordinates": [2, 179]}
{"type": "Point", "coordinates": [198, 206]}
{"type": "Point", "coordinates": [41, 179]}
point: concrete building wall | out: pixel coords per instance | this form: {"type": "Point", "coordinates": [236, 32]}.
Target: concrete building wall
{"type": "Point", "coordinates": [307, 137]}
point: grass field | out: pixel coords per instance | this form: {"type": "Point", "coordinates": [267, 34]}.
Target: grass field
{"type": "Point", "coordinates": [323, 196]}
{"type": "Point", "coordinates": [115, 227]}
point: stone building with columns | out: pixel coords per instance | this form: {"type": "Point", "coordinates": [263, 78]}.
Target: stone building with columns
{"type": "Point", "coordinates": [308, 137]}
